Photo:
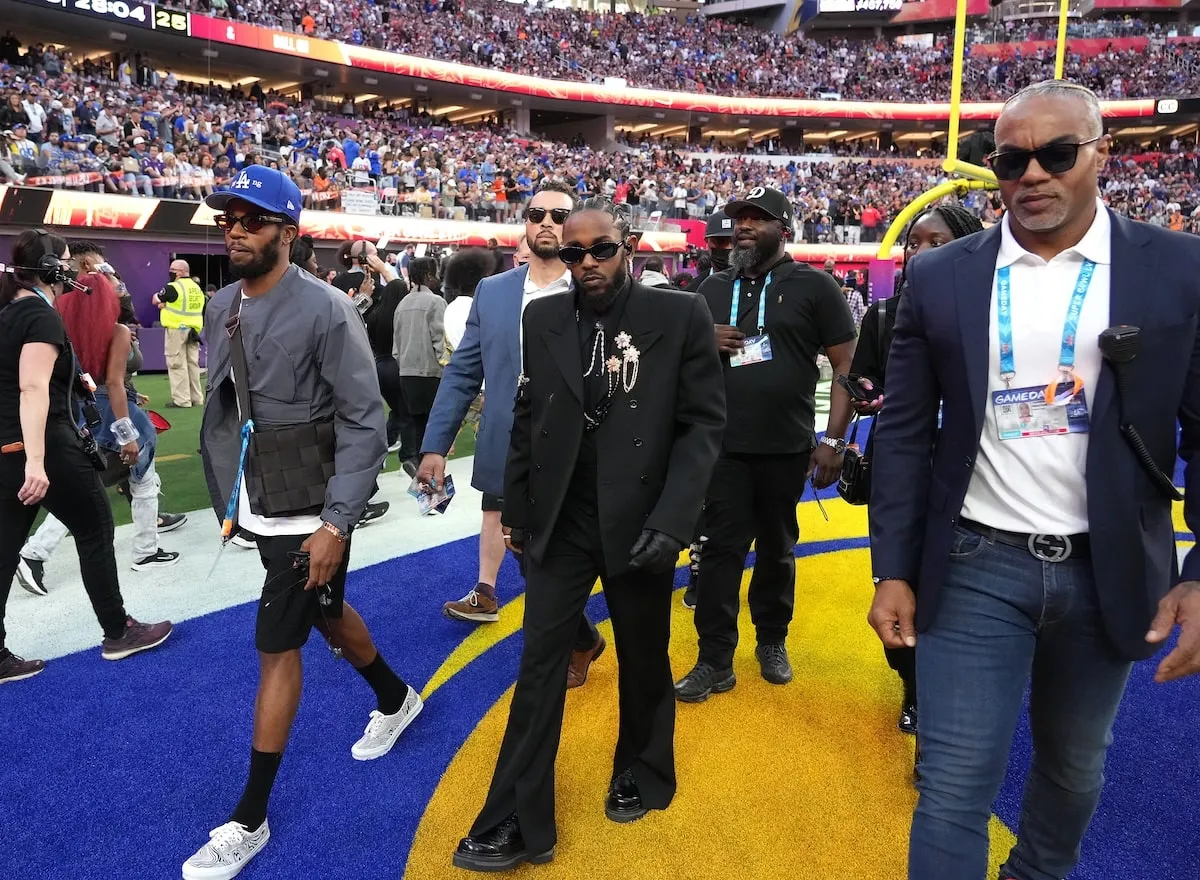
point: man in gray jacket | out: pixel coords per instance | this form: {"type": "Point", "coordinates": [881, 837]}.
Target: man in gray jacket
{"type": "Point", "coordinates": [308, 363]}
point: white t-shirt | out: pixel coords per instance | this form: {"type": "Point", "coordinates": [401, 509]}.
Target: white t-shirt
{"type": "Point", "coordinates": [1037, 484]}
{"type": "Point", "coordinates": [455, 321]}
{"type": "Point", "coordinates": [268, 526]}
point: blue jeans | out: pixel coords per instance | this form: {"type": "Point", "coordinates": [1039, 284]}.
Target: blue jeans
{"type": "Point", "coordinates": [147, 439]}
{"type": "Point", "coordinates": [1005, 618]}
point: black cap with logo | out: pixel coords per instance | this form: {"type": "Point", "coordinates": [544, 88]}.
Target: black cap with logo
{"type": "Point", "coordinates": [719, 225]}
{"type": "Point", "coordinates": [770, 201]}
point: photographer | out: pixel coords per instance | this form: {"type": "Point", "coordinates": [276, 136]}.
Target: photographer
{"type": "Point", "coordinates": [365, 273]}
{"type": "Point", "coordinates": [43, 462]}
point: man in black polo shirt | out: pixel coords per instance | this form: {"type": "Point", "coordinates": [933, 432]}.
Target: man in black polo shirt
{"type": "Point", "coordinates": [786, 313]}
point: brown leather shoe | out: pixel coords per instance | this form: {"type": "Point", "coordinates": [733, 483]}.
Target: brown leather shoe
{"type": "Point", "coordinates": [577, 672]}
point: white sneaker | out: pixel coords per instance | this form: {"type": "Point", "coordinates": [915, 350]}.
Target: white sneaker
{"type": "Point", "coordinates": [244, 542]}
{"type": "Point", "coordinates": [383, 730]}
{"type": "Point", "coordinates": [229, 849]}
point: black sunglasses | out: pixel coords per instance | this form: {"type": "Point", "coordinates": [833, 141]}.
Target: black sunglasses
{"type": "Point", "coordinates": [1052, 158]}
{"type": "Point", "coordinates": [601, 251]}
{"type": "Point", "coordinates": [558, 215]}
{"type": "Point", "coordinates": [252, 223]}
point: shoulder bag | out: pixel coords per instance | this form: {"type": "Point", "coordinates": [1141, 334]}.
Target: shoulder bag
{"type": "Point", "coordinates": [854, 484]}
{"type": "Point", "coordinates": [287, 467]}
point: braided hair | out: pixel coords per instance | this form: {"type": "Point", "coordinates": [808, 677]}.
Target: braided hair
{"type": "Point", "coordinates": [960, 221]}
{"type": "Point", "coordinates": [618, 213]}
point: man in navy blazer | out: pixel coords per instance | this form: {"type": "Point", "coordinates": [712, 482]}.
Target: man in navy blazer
{"type": "Point", "coordinates": [490, 354]}
{"type": "Point", "coordinates": [1024, 540]}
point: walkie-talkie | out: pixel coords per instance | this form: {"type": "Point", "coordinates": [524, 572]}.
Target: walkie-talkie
{"type": "Point", "coordinates": [1119, 345]}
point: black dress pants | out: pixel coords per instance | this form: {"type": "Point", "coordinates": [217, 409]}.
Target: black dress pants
{"type": "Point", "coordinates": [77, 499]}
{"type": "Point", "coordinates": [556, 592]}
{"type": "Point", "coordinates": [751, 499]}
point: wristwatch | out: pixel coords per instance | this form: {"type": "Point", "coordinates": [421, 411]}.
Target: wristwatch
{"type": "Point", "coordinates": [837, 444]}
{"type": "Point", "coordinates": [335, 531]}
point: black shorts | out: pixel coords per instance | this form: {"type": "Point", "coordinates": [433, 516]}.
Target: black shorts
{"type": "Point", "coordinates": [492, 503]}
{"type": "Point", "coordinates": [286, 611]}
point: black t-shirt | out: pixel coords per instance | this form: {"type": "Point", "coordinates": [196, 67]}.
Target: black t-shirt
{"type": "Point", "coordinates": [24, 321]}
{"type": "Point", "coordinates": [770, 406]}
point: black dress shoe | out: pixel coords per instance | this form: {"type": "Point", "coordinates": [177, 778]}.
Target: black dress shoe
{"type": "Point", "coordinates": [703, 680]}
{"type": "Point", "coordinates": [773, 660]}
{"type": "Point", "coordinates": [908, 719]}
{"type": "Point", "coordinates": [500, 849]}
{"type": "Point", "coordinates": [624, 801]}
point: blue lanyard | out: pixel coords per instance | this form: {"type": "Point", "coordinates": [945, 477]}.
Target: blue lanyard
{"type": "Point", "coordinates": [231, 508]}
{"type": "Point", "coordinates": [1066, 359]}
{"type": "Point", "coordinates": [762, 304]}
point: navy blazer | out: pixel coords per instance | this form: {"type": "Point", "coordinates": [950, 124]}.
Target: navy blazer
{"type": "Point", "coordinates": [491, 349]}
{"type": "Point", "coordinates": [939, 353]}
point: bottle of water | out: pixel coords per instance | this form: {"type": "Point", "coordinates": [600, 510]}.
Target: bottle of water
{"type": "Point", "coordinates": [124, 431]}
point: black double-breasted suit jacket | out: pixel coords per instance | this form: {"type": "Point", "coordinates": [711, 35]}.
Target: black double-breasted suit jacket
{"type": "Point", "coordinates": [656, 448]}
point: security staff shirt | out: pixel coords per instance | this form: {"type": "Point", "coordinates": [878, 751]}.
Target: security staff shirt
{"type": "Point", "coordinates": [770, 406]}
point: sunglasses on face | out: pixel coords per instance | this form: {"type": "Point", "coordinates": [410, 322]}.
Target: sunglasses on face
{"type": "Point", "coordinates": [601, 251]}
{"type": "Point", "coordinates": [1052, 158]}
{"type": "Point", "coordinates": [252, 223]}
{"type": "Point", "coordinates": [558, 215]}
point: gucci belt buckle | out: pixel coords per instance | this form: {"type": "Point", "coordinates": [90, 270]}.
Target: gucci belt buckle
{"type": "Point", "coordinates": [1050, 548]}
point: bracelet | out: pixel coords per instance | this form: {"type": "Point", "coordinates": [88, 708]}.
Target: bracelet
{"type": "Point", "coordinates": [335, 531]}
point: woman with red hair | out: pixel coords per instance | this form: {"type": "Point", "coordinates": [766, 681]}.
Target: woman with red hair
{"type": "Point", "coordinates": [102, 346]}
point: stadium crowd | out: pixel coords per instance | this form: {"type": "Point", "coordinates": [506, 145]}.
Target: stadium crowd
{"type": "Point", "coordinates": [135, 130]}
{"type": "Point", "coordinates": [711, 55]}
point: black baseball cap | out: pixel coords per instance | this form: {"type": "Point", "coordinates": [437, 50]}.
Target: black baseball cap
{"type": "Point", "coordinates": [719, 225]}
{"type": "Point", "coordinates": [770, 201]}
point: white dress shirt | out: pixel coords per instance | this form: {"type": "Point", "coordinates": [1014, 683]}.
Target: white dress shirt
{"type": "Point", "coordinates": [532, 292]}
{"type": "Point", "coordinates": [1037, 484]}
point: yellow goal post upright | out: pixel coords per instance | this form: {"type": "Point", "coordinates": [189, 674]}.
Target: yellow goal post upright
{"type": "Point", "coordinates": [969, 176]}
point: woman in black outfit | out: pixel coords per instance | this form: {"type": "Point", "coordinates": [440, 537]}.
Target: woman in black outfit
{"type": "Point", "coordinates": [934, 228]}
{"type": "Point", "coordinates": [42, 461]}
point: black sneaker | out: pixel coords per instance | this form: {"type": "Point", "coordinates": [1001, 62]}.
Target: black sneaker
{"type": "Point", "coordinates": [29, 575]}
{"type": "Point", "coordinates": [703, 680]}
{"type": "Point", "coordinates": [169, 522]}
{"type": "Point", "coordinates": [161, 559]}
{"type": "Point", "coordinates": [410, 468]}
{"type": "Point", "coordinates": [14, 668]}
{"type": "Point", "coordinates": [372, 512]}
{"type": "Point", "coordinates": [773, 661]}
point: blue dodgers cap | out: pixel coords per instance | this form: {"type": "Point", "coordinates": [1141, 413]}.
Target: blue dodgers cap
{"type": "Point", "coordinates": [263, 187]}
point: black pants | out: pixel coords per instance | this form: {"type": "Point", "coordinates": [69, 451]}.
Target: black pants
{"type": "Point", "coordinates": [752, 498]}
{"type": "Point", "coordinates": [389, 386]}
{"type": "Point", "coordinates": [904, 662]}
{"type": "Point", "coordinates": [76, 497]}
{"type": "Point", "coordinates": [556, 592]}
{"type": "Point", "coordinates": [417, 393]}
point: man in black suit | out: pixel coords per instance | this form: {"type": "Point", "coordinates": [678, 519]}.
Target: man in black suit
{"type": "Point", "coordinates": [1035, 550]}
{"type": "Point", "coordinates": [620, 410]}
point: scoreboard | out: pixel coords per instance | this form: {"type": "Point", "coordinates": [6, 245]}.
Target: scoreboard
{"type": "Point", "coordinates": [136, 13]}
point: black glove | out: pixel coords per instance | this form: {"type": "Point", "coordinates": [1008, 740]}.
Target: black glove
{"type": "Point", "coordinates": [654, 552]}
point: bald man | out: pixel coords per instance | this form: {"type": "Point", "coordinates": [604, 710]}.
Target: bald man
{"type": "Point", "coordinates": [181, 311]}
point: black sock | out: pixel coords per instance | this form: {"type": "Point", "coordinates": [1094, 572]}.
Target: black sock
{"type": "Point", "coordinates": [251, 810]}
{"type": "Point", "coordinates": [389, 689]}
{"type": "Point", "coordinates": [910, 693]}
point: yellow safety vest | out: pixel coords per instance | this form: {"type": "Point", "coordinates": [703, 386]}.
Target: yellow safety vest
{"type": "Point", "coordinates": [188, 310]}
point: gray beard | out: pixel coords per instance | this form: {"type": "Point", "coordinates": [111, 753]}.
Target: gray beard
{"type": "Point", "coordinates": [743, 258]}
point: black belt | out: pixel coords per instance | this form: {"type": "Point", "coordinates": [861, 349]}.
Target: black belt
{"type": "Point", "coordinates": [1047, 548]}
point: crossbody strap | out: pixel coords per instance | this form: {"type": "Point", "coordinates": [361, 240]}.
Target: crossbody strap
{"type": "Point", "coordinates": [883, 336]}
{"type": "Point", "coordinates": [237, 353]}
